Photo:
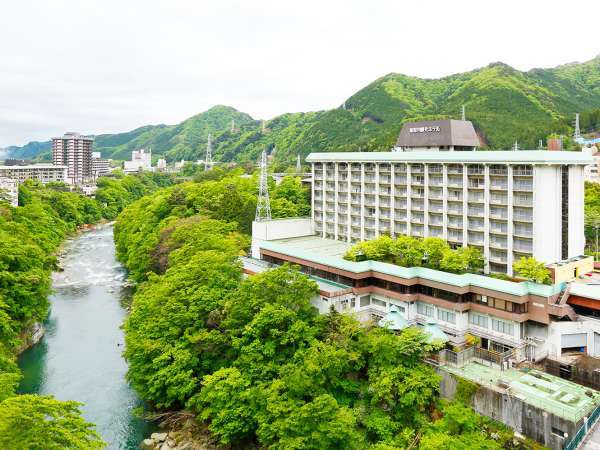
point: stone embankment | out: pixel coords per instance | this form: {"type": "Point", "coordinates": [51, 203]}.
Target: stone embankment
{"type": "Point", "coordinates": [186, 436]}
{"type": "Point", "coordinates": [31, 336]}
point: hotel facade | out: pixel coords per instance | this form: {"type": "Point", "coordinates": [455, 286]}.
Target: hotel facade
{"type": "Point", "coordinates": [509, 204]}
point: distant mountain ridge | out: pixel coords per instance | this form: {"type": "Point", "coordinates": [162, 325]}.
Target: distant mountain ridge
{"type": "Point", "coordinates": [504, 104]}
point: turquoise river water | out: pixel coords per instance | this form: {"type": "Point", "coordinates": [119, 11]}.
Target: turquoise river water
{"type": "Point", "coordinates": [79, 358]}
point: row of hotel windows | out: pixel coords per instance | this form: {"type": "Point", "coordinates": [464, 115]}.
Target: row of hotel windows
{"type": "Point", "coordinates": [457, 168]}
{"type": "Point", "coordinates": [479, 320]}
{"type": "Point", "coordinates": [492, 302]}
{"type": "Point", "coordinates": [444, 315]}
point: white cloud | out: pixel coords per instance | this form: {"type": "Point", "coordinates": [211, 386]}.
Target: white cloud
{"type": "Point", "coordinates": [108, 66]}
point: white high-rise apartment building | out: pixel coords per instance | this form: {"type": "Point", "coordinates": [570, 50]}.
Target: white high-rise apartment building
{"type": "Point", "coordinates": [507, 203]}
{"type": "Point", "coordinates": [74, 151]}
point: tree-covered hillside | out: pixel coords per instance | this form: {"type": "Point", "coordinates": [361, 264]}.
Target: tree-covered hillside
{"type": "Point", "coordinates": [504, 104]}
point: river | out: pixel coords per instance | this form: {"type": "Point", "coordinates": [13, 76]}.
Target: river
{"type": "Point", "coordinates": [79, 358]}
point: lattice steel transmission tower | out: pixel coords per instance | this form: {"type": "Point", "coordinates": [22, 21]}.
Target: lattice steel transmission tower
{"type": "Point", "coordinates": [298, 165]}
{"type": "Point", "coordinates": [516, 146]}
{"type": "Point", "coordinates": [463, 115]}
{"type": "Point", "coordinates": [263, 205]}
{"type": "Point", "coordinates": [208, 158]}
{"type": "Point", "coordinates": [577, 133]}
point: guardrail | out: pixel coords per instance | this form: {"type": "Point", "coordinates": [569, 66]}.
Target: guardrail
{"type": "Point", "coordinates": [583, 431]}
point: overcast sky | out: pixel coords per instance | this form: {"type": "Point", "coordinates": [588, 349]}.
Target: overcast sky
{"type": "Point", "coordinates": [111, 66]}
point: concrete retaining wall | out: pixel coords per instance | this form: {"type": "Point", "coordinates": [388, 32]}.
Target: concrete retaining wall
{"type": "Point", "coordinates": [533, 422]}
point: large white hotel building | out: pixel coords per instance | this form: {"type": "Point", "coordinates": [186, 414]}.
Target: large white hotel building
{"type": "Point", "coordinates": [507, 203]}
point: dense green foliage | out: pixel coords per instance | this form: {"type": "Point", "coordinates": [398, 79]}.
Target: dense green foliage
{"type": "Point", "coordinates": [32, 422]}
{"type": "Point", "coordinates": [29, 237]}
{"type": "Point", "coordinates": [532, 270]}
{"type": "Point", "coordinates": [592, 216]}
{"type": "Point", "coordinates": [504, 104]}
{"type": "Point", "coordinates": [143, 231]}
{"type": "Point", "coordinates": [251, 357]}
{"type": "Point", "coordinates": [409, 251]}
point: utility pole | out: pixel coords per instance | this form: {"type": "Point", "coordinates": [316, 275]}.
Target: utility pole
{"type": "Point", "coordinates": [516, 146]}
{"type": "Point", "coordinates": [464, 116]}
{"type": "Point", "coordinates": [232, 126]}
{"type": "Point", "coordinates": [263, 205]}
{"type": "Point", "coordinates": [263, 126]}
{"type": "Point", "coordinates": [298, 165]}
{"type": "Point", "coordinates": [577, 133]}
{"type": "Point", "coordinates": [208, 158]}
{"type": "Point", "coordinates": [541, 145]}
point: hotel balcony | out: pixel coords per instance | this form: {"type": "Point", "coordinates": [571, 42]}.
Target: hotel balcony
{"type": "Point", "coordinates": [523, 229]}
{"type": "Point", "coordinates": [417, 232]}
{"type": "Point", "coordinates": [416, 168]}
{"type": "Point", "coordinates": [476, 212]}
{"type": "Point", "coordinates": [434, 168]}
{"type": "Point", "coordinates": [498, 213]}
{"type": "Point", "coordinates": [498, 199]}
{"type": "Point", "coordinates": [454, 236]}
{"type": "Point", "coordinates": [476, 183]}
{"type": "Point", "coordinates": [436, 207]}
{"type": "Point", "coordinates": [435, 194]}
{"type": "Point", "coordinates": [523, 171]}
{"type": "Point", "coordinates": [401, 204]}
{"type": "Point", "coordinates": [521, 217]}
{"type": "Point", "coordinates": [498, 184]}
{"type": "Point", "coordinates": [522, 185]}
{"type": "Point", "coordinates": [417, 219]}
{"type": "Point", "coordinates": [384, 202]}
{"type": "Point", "coordinates": [496, 227]}
{"type": "Point", "coordinates": [400, 179]}
{"type": "Point", "coordinates": [498, 242]}
{"type": "Point", "coordinates": [400, 229]}
{"type": "Point", "coordinates": [475, 170]}
{"type": "Point", "coordinates": [385, 179]}
{"type": "Point", "coordinates": [436, 181]}
{"type": "Point", "coordinates": [498, 257]}
{"type": "Point", "coordinates": [476, 197]}
{"type": "Point", "coordinates": [499, 170]}
{"type": "Point", "coordinates": [370, 180]}
{"type": "Point", "coordinates": [435, 220]}
{"type": "Point", "coordinates": [520, 245]}
{"type": "Point", "coordinates": [435, 231]}
{"type": "Point", "coordinates": [384, 168]}
{"type": "Point", "coordinates": [476, 225]}
{"type": "Point", "coordinates": [523, 200]}
{"type": "Point", "coordinates": [452, 223]}
{"type": "Point", "coordinates": [475, 238]}
{"type": "Point", "coordinates": [455, 211]}
{"type": "Point", "coordinates": [455, 169]}
{"type": "Point", "coordinates": [400, 192]}
{"type": "Point", "coordinates": [455, 182]}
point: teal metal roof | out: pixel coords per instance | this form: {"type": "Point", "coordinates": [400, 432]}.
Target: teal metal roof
{"type": "Point", "coordinates": [481, 156]}
{"type": "Point", "coordinates": [287, 247]}
{"type": "Point", "coordinates": [435, 333]}
{"type": "Point", "coordinates": [393, 320]}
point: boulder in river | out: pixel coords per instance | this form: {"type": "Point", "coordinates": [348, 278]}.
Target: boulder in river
{"type": "Point", "coordinates": [158, 437]}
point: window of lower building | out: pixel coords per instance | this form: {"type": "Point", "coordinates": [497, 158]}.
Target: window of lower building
{"type": "Point", "coordinates": [365, 300]}
{"type": "Point", "coordinates": [478, 319]}
{"type": "Point", "coordinates": [379, 302]}
{"type": "Point", "coordinates": [502, 326]}
{"type": "Point", "coordinates": [446, 316]}
{"type": "Point", "coordinates": [425, 309]}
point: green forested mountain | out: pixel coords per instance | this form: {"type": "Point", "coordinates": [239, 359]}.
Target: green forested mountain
{"type": "Point", "coordinates": [505, 105]}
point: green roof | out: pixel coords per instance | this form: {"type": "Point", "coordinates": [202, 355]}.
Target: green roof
{"type": "Point", "coordinates": [491, 156]}
{"type": "Point", "coordinates": [317, 253]}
